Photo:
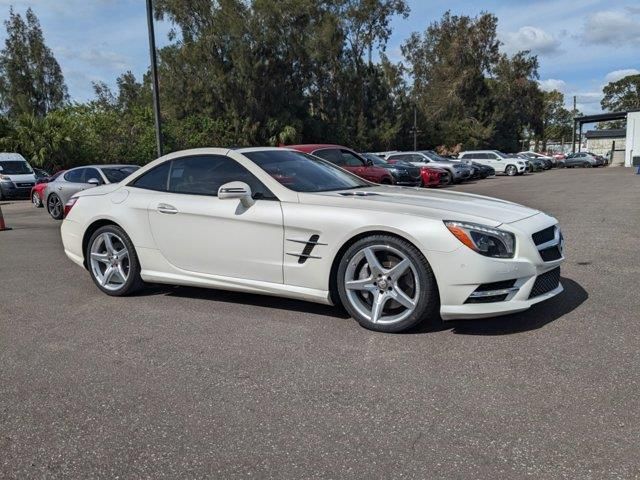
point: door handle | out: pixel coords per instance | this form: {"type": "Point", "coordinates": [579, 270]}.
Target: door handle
{"type": "Point", "coordinates": [59, 188]}
{"type": "Point", "coordinates": [166, 208]}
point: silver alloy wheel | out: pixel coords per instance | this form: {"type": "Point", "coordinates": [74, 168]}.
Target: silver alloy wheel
{"type": "Point", "coordinates": [511, 170]}
{"type": "Point", "coordinates": [55, 206]}
{"type": "Point", "coordinates": [109, 260]}
{"type": "Point", "coordinates": [382, 291]}
{"type": "Point", "coordinates": [35, 198]}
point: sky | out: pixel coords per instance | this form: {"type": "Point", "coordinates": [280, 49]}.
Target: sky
{"type": "Point", "coordinates": [581, 44]}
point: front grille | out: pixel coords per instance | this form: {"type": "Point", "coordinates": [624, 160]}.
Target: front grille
{"type": "Point", "coordinates": [550, 254]}
{"type": "Point", "coordinates": [544, 236]}
{"type": "Point", "coordinates": [546, 282]}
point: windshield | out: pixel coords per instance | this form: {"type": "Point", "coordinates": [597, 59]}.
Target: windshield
{"type": "Point", "coordinates": [304, 173]}
{"type": "Point", "coordinates": [117, 174]}
{"type": "Point", "coordinates": [435, 157]}
{"type": "Point", "coordinates": [376, 159]}
{"type": "Point", "coordinates": [15, 167]}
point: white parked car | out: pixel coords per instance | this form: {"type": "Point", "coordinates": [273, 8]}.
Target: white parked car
{"type": "Point", "coordinates": [497, 160]}
{"type": "Point", "coordinates": [279, 222]}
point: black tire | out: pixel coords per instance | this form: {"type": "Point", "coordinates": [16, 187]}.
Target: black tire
{"type": "Point", "coordinates": [511, 170]}
{"type": "Point", "coordinates": [428, 301]}
{"type": "Point", "coordinates": [55, 207]}
{"type": "Point", "coordinates": [586, 165]}
{"type": "Point", "coordinates": [448, 179]}
{"type": "Point", "coordinates": [386, 181]}
{"type": "Point", "coordinates": [134, 281]}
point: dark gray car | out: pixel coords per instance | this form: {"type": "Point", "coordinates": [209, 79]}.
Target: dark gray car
{"type": "Point", "coordinates": [582, 159]}
{"type": "Point", "coordinates": [59, 191]}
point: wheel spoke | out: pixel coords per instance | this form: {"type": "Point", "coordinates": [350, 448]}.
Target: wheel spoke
{"type": "Point", "coordinates": [122, 254]}
{"type": "Point", "coordinates": [108, 275]}
{"type": "Point", "coordinates": [108, 244]}
{"type": "Point", "coordinates": [121, 274]}
{"type": "Point", "coordinates": [398, 270]}
{"type": "Point", "coordinates": [100, 257]}
{"type": "Point", "coordinates": [403, 299]}
{"type": "Point", "coordinates": [365, 284]}
{"type": "Point", "coordinates": [372, 260]}
{"type": "Point", "coordinates": [379, 300]}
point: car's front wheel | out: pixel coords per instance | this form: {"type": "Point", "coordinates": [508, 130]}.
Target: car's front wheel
{"type": "Point", "coordinates": [55, 207]}
{"type": "Point", "coordinates": [447, 179]}
{"type": "Point", "coordinates": [586, 165]}
{"type": "Point", "coordinates": [113, 262]}
{"type": "Point", "coordinates": [511, 170]}
{"type": "Point", "coordinates": [387, 285]}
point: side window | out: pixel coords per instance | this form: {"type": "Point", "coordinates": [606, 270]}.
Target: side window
{"type": "Point", "coordinates": [350, 160]}
{"type": "Point", "coordinates": [418, 158]}
{"type": "Point", "coordinates": [205, 174]}
{"type": "Point", "coordinates": [90, 173]}
{"type": "Point", "coordinates": [75, 176]}
{"type": "Point", "coordinates": [332, 155]}
{"type": "Point", "coordinates": [154, 179]}
{"type": "Point", "coordinates": [482, 156]}
{"type": "Point", "coordinates": [491, 156]}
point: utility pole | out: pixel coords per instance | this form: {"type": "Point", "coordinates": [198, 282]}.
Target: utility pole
{"type": "Point", "coordinates": [154, 77]}
{"type": "Point", "coordinates": [415, 130]}
{"type": "Point", "coordinates": [573, 138]}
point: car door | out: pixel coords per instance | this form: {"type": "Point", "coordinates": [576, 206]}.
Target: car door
{"type": "Point", "coordinates": [197, 232]}
{"type": "Point", "coordinates": [498, 163]}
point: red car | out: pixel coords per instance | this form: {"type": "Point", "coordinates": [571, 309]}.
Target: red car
{"type": "Point", "coordinates": [37, 191]}
{"type": "Point", "coordinates": [349, 160]}
{"type": "Point", "coordinates": [431, 176]}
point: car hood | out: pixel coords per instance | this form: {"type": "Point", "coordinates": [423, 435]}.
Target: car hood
{"type": "Point", "coordinates": [442, 205]}
{"type": "Point", "coordinates": [101, 190]}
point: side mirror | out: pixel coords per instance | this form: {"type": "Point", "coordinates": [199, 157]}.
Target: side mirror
{"type": "Point", "coordinates": [237, 190]}
{"type": "Point", "coordinates": [94, 181]}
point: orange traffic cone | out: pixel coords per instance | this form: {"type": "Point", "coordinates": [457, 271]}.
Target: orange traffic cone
{"type": "Point", "coordinates": [2, 224]}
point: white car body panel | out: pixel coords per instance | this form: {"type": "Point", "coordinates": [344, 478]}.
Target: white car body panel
{"type": "Point", "coordinates": [498, 162]}
{"type": "Point", "coordinates": [219, 243]}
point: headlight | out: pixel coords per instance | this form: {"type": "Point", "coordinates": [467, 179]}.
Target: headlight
{"type": "Point", "coordinates": [486, 241]}
{"type": "Point", "coordinates": [5, 178]}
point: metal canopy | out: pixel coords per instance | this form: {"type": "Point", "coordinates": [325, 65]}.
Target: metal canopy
{"type": "Point", "coordinates": [600, 117]}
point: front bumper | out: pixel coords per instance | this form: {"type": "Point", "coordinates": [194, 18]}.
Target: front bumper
{"type": "Point", "coordinates": [14, 190]}
{"type": "Point", "coordinates": [462, 272]}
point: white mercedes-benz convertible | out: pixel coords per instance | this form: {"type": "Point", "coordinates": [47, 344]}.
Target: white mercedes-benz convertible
{"type": "Point", "coordinates": [279, 222]}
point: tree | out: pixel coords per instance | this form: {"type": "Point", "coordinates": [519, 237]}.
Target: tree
{"type": "Point", "coordinates": [622, 95]}
{"type": "Point", "coordinates": [448, 64]}
{"type": "Point", "coordinates": [31, 81]}
{"type": "Point", "coordinates": [557, 121]}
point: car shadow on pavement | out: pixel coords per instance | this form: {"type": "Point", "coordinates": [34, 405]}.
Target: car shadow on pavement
{"type": "Point", "coordinates": [536, 317]}
{"type": "Point", "coordinates": [265, 301]}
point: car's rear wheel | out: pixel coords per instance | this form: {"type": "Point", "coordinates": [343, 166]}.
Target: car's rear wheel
{"type": "Point", "coordinates": [37, 201]}
{"type": "Point", "coordinates": [55, 207]}
{"type": "Point", "coordinates": [112, 261]}
{"type": "Point", "coordinates": [387, 285]}
{"type": "Point", "coordinates": [511, 170]}
{"type": "Point", "coordinates": [586, 165]}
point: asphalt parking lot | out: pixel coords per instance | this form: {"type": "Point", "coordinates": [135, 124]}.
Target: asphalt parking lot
{"type": "Point", "coordinates": [191, 383]}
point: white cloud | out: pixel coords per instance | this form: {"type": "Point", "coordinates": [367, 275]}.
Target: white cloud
{"type": "Point", "coordinates": [611, 28]}
{"type": "Point", "coordinates": [529, 38]}
{"type": "Point", "coordinates": [620, 74]}
{"type": "Point", "coordinates": [552, 84]}
{"type": "Point", "coordinates": [96, 57]}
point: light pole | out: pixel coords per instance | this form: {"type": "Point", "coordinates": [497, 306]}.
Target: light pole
{"type": "Point", "coordinates": [154, 77]}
